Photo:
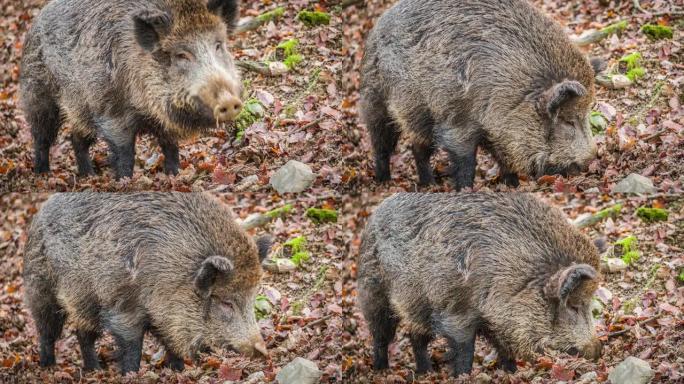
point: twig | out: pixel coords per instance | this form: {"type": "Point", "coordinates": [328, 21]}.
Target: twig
{"type": "Point", "coordinates": [349, 3]}
{"type": "Point", "coordinates": [317, 321]}
{"type": "Point", "coordinates": [312, 124]}
{"type": "Point", "coordinates": [254, 66]}
{"type": "Point", "coordinates": [629, 328]}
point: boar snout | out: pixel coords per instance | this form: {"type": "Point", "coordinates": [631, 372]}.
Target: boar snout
{"type": "Point", "coordinates": [592, 351]}
{"type": "Point", "coordinates": [254, 348]}
{"type": "Point", "coordinates": [222, 97]}
{"type": "Point", "coordinates": [227, 107]}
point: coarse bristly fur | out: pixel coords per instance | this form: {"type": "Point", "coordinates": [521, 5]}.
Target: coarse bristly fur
{"type": "Point", "coordinates": [173, 264]}
{"type": "Point", "coordinates": [506, 266]}
{"type": "Point", "coordinates": [118, 68]}
{"type": "Point", "coordinates": [459, 74]}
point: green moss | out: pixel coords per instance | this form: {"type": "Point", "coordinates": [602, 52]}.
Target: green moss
{"type": "Point", "coordinates": [262, 307]}
{"type": "Point", "coordinates": [252, 111]}
{"type": "Point", "coordinates": [628, 306]}
{"type": "Point", "coordinates": [321, 215]}
{"type": "Point", "coordinates": [628, 248]}
{"type": "Point", "coordinates": [628, 244]}
{"type": "Point", "coordinates": [289, 47]}
{"type": "Point", "coordinates": [313, 18]}
{"type": "Point", "coordinates": [598, 122]}
{"type": "Point", "coordinates": [609, 212]}
{"type": "Point", "coordinates": [631, 257]}
{"type": "Point", "coordinates": [635, 73]}
{"type": "Point", "coordinates": [657, 32]}
{"type": "Point", "coordinates": [651, 215]}
{"type": "Point", "coordinates": [296, 245]}
{"type": "Point", "coordinates": [292, 61]}
{"type": "Point", "coordinates": [681, 276]}
{"type": "Point", "coordinates": [297, 248]}
{"type": "Point", "coordinates": [632, 63]}
{"type": "Point", "coordinates": [280, 212]}
{"type": "Point", "coordinates": [300, 258]}
{"type": "Point", "coordinates": [271, 15]}
{"type": "Point", "coordinates": [615, 27]}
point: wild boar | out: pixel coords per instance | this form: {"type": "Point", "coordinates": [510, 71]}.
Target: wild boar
{"type": "Point", "coordinates": [486, 73]}
{"type": "Point", "coordinates": [175, 265]}
{"type": "Point", "coordinates": [505, 266]}
{"type": "Point", "coordinates": [119, 68]}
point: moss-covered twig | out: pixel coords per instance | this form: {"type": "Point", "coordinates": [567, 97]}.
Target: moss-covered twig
{"type": "Point", "coordinates": [598, 216]}
{"type": "Point", "coordinates": [596, 36]}
{"type": "Point", "coordinates": [259, 220]}
{"type": "Point", "coordinates": [258, 21]}
{"type": "Point", "coordinates": [255, 66]}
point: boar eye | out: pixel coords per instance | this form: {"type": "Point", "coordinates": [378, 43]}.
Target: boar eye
{"type": "Point", "coordinates": [227, 306]}
{"type": "Point", "coordinates": [219, 46]}
{"type": "Point", "coordinates": [183, 56]}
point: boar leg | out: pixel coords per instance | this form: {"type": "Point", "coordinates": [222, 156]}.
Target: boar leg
{"type": "Point", "coordinates": [507, 362]}
{"type": "Point", "coordinates": [169, 148]}
{"type": "Point", "coordinates": [128, 332]}
{"type": "Point", "coordinates": [173, 361]}
{"type": "Point", "coordinates": [462, 156]}
{"type": "Point", "coordinates": [420, 343]}
{"type": "Point", "coordinates": [82, 144]}
{"type": "Point", "coordinates": [49, 322]}
{"type": "Point", "coordinates": [507, 176]}
{"type": "Point", "coordinates": [383, 132]}
{"type": "Point", "coordinates": [48, 314]}
{"type": "Point", "coordinates": [86, 341]}
{"type": "Point", "coordinates": [120, 136]}
{"type": "Point", "coordinates": [462, 346]}
{"type": "Point", "coordinates": [381, 319]}
{"type": "Point", "coordinates": [422, 153]}
{"type": "Point", "coordinates": [43, 116]}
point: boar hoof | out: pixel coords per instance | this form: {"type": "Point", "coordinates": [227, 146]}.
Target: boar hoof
{"type": "Point", "coordinates": [510, 179]}
{"type": "Point", "coordinates": [172, 361]}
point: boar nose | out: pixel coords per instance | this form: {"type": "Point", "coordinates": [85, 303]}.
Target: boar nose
{"type": "Point", "coordinates": [227, 107]}
{"type": "Point", "coordinates": [592, 350]}
{"type": "Point", "coordinates": [260, 348]}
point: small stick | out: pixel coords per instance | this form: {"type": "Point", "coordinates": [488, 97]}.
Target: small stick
{"type": "Point", "coordinates": [629, 328]}
{"type": "Point", "coordinates": [317, 321]}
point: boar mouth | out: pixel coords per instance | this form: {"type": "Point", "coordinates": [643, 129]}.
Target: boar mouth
{"type": "Point", "coordinates": [194, 115]}
{"type": "Point", "coordinates": [569, 170]}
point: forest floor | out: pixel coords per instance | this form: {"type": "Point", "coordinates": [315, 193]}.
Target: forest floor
{"type": "Point", "coordinates": [311, 116]}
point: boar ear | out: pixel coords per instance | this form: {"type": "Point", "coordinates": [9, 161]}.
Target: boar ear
{"type": "Point", "coordinates": [150, 27]}
{"type": "Point", "coordinates": [210, 269]}
{"type": "Point", "coordinates": [560, 94]}
{"type": "Point", "coordinates": [228, 10]}
{"type": "Point", "coordinates": [572, 284]}
{"type": "Point", "coordinates": [264, 246]}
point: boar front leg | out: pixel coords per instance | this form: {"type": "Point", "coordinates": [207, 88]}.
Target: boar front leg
{"type": "Point", "coordinates": [173, 361]}
{"type": "Point", "coordinates": [462, 347]}
{"type": "Point", "coordinates": [169, 147]}
{"type": "Point", "coordinates": [128, 331]}
{"type": "Point", "coordinates": [119, 133]}
{"type": "Point", "coordinates": [462, 152]}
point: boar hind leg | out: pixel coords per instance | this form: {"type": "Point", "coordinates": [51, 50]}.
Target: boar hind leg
{"type": "Point", "coordinates": [507, 363]}
{"type": "Point", "coordinates": [382, 321]}
{"type": "Point", "coordinates": [420, 343]}
{"type": "Point", "coordinates": [86, 341]}
{"type": "Point", "coordinates": [383, 132]}
{"type": "Point", "coordinates": [43, 116]}
{"type": "Point", "coordinates": [49, 321]}
{"type": "Point", "coordinates": [462, 347]}
{"type": "Point", "coordinates": [169, 148]}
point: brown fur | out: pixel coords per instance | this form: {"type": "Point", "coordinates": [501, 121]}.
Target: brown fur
{"type": "Point", "coordinates": [133, 263]}
{"type": "Point", "coordinates": [505, 266]}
